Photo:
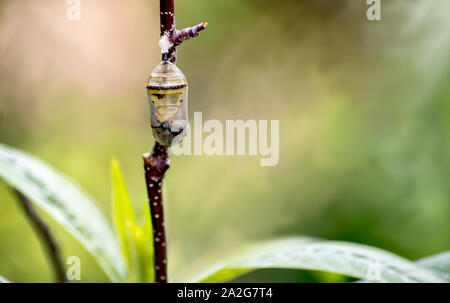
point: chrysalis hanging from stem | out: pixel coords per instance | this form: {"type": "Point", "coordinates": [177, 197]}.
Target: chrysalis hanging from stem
{"type": "Point", "coordinates": [169, 133]}
{"type": "Point", "coordinates": [168, 97]}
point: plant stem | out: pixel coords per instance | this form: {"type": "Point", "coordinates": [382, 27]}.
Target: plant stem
{"type": "Point", "coordinates": [157, 163]}
{"type": "Point", "coordinates": [167, 20]}
{"type": "Point", "coordinates": [46, 237]}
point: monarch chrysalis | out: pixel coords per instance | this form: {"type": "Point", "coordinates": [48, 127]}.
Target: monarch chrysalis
{"type": "Point", "coordinates": [168, 97]}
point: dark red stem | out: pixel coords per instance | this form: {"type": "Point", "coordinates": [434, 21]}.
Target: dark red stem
{"type": "Point", "coordinates": [157, 163]}
{"type": "Point", "coordinates": [167, 17]}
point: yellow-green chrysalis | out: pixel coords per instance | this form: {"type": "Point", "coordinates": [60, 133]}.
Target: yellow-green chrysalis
{"type": "Point", "coordinates": [168, 97]}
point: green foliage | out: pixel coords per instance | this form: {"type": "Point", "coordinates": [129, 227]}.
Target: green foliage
{"type": "Point", "coordinates": [348, 259]}
{"type": "Point", "coordinates": [364, 111]}
{"type": "Point", "coordinates": [71, 207]}
{"type": "Point", "coordinates": [135, 238]}
{"type": "Point", "coordinates": [67, 203]}
{"type": "Point", "coordinates": [439, 262]}
{"type": "Point", "coordinates": [3, 280]}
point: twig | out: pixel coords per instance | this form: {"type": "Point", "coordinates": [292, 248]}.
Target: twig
{"type": "Point", "coordinates": [46, 237]}
{"type": "Point", "coordinates": [157, 163]}
{"type": "Point", "coordinates": [168, 28]}
{"type": "Point", "coordinates": [187, 33]}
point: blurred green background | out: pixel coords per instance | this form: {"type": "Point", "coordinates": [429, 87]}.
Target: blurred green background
{"type": "Point", "coordinates": [364, 111]}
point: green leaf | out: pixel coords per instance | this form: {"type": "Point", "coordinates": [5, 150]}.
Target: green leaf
{"type": "Point", "coordinates": [122, 211]}
{"type": "Point", "coordinates": [135, 238]}
{"type": "Point", "coordinates": [3, 280]}
{"type": "Point", "coordinates": [67, 203]}
{"type": "Point", "coordinates": [354, 260]}
{"type": "Point", "coordinates": [144, 239]}
{"type": "Point", "coordinates": [225, 274]}
{"type": "Point", "coordinates": [439, 263]}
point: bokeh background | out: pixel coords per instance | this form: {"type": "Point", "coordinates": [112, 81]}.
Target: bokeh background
{"type": "Point", "coordinates": [364, 111]}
